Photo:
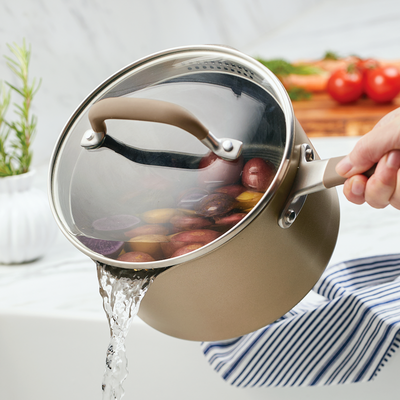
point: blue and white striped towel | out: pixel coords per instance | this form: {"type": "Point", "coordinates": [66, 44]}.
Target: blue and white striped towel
{"type": "Point", "coordinates": [344, 333]}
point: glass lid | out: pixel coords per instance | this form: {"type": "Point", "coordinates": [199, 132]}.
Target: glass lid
{"type": "Point", "coordinates": [138, 187]}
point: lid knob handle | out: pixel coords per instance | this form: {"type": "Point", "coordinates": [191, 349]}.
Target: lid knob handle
{"type": "Point", "coordinates": [154, 111]}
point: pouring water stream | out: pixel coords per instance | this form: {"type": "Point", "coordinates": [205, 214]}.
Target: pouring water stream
{"type": "Point", "coordinates": [122, 292]}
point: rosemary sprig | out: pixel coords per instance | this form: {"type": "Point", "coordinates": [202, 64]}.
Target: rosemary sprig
{"type": "Point", "coordinates": [15, 151]}
{"type": "Point", "coordinates": [5, 157]}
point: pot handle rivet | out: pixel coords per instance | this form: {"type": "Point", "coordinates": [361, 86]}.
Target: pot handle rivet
{"type": "Point", "coordinates": [309, 154]}
{"type": "Point", "coordinates": [227, 145]}
{"type": "Point", "coordinates": [290, 216]}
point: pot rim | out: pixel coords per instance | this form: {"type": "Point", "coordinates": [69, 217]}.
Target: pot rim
{"type": "Point", "coordinates": [277, 91]}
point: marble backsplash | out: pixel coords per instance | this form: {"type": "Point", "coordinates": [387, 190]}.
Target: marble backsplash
{"type": "Point", "coordinates": [78, 44]}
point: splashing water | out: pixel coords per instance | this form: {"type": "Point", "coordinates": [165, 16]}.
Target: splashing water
{"type": "Point", "coordinates": [122, 291]}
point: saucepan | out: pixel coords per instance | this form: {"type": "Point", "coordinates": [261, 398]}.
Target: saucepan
{"type": "Point", "coordinates": [190, 163]}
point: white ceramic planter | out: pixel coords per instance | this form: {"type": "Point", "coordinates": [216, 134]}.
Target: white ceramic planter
{"type": "Point", "coordinates": [27, 228]}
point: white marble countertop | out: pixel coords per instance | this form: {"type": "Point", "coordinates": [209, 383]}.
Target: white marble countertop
{"type": "Point", "coordinates": [64, 281]}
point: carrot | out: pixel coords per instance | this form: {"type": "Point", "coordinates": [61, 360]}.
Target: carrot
{"type": "Point", "coordinates": [311, 83]}
{"type": "Point", "coordinates": [331, 65]}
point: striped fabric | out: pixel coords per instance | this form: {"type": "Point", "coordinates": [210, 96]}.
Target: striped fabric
{"type": "Point", "coordinates": [343, 332]}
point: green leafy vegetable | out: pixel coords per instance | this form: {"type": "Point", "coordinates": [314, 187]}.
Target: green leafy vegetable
{"type": "Point", "coordinates": [282, 67]}
{"type": "Point", "coordinates": [330, 55]}
{"type": "Point", "coordinates": [298, 93]}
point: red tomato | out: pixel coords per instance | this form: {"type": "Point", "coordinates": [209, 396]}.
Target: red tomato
{"type": "Point", "coordinates": [367, 64]}
{"type": "Point", "coordinates": [346, 85]}
{"type": "Point", "coordinates": [382, 84]}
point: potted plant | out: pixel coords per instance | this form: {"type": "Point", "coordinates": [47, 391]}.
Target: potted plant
{"type": "Point", "coordinates": [26, 227]}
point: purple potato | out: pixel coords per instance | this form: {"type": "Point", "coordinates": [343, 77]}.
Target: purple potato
{"type": "Point", "coordinates": [115, 223]}
{"type": "Point", "coordinates": [190, 198]}
{"type": "Point", "coordinates": [107, 248]}
{"type": "Point", "coordinates": [215, 205]}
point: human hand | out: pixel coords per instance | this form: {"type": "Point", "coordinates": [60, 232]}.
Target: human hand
{"type": "Point", "coordinates": [380, 146]}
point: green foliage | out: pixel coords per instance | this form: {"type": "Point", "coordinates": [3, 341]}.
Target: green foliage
{"type": "Point", "coordinates": [298, 93]}
{"type": "Point", "coordinates": [331, 55]}
{"type": "Point", "coordinates": [16, 135]}
{"type": "Point", "coordinates": [282, 67]}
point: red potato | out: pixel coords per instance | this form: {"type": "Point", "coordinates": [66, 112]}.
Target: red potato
{"type": "Point", "coordinates": [214, 171]}
{"type": "Point", "coordinates": [187, 222]}
{"type": "Point", "coordinates": [195, 236]}
{"type": "Point", "coordinates": [258, 174]}
{"type": "Point", "coordinates": [169, 248]}
{"type": "Point", "coordinates": [135, 256]}
{"type": "Point", "coordinates": [230, 220]}
{"type": "Point", "coordinates": [232, 190]}
{"type": "Point", "coordinates": [187, 249]}
{"type": "Point", "coordinates": [149, 229]}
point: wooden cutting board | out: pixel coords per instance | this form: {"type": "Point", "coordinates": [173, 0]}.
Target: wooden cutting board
{"type": "Point", "coordinates": [323, 116]}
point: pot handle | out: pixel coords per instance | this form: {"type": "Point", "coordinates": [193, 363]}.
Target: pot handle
{"type": "Point", "coordinates": [331, 178]}
{"type": "Point", "coordinates": [154, 111]}
{"type": "Point", "coordinates": [312, 176]}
